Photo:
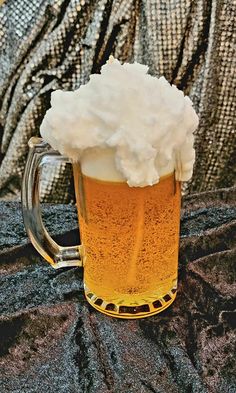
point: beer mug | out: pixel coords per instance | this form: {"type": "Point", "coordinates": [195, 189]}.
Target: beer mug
{"type": "Point", "coordinates": [130, 237]}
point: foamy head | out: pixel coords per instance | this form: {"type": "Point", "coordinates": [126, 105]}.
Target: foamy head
{"type": "Point", "coordinates": [124, 125]}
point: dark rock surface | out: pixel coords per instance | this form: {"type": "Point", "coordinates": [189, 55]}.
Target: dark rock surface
{"type": "Point", "coordinates": [53, 341]}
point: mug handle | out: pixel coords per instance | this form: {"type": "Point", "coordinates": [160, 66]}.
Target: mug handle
{"type": "Point", "coordinates": [40, 153]}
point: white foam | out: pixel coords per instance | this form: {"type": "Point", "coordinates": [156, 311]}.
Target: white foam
{"type": "Point", "coordinates": [99, 163]}
{"type": "Point", "coordinates": [147, 123]}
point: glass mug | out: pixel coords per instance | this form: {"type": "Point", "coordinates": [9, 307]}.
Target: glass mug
{"type": "Point", "coordinates": [130, 237]}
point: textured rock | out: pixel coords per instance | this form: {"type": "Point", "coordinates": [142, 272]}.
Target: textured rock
{"type": "Point", "coordinates": [53, 341]}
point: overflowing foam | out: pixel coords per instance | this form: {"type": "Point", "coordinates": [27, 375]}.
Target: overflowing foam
{"type": "Point", "coordinates": [146, 124]}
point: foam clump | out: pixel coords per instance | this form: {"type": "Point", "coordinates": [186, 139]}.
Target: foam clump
{"type": "Point", "coordinates": [147, 122]}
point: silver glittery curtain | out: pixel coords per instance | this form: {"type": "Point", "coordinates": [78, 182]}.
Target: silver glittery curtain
{"type": "Point", "coordinates": [51, 44]}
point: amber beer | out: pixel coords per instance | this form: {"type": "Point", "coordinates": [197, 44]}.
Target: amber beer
{"type": "Point", "coordinates": [130, 238]}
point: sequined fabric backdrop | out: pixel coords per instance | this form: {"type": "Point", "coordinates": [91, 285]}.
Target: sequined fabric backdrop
{"type": "Point", "coordinates": [51, 44]}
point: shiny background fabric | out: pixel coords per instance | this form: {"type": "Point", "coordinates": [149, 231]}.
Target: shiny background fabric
{"type": "Point", "coordinates": [51, 44]}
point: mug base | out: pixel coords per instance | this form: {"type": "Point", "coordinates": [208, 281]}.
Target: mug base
{"type": "Point", "coordinates": [123, 311]}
